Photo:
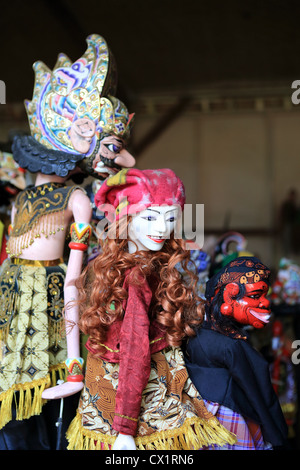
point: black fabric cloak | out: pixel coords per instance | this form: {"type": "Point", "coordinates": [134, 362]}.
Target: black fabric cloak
{"type": "Point", "coordinates": [232, 373]}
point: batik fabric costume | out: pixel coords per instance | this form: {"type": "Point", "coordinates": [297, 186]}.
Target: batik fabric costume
{"type": "Point", "coordinates": [233, 377]}
{"type": "Point", "coordinates": [32, 335]}
{"type": "Point", "coordinates": [139, 385]}
{"type": "Point", "coordinates": [31, 320]}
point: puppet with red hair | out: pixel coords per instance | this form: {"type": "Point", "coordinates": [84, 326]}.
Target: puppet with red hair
{"type": "Point", "coordinates": [136, 309]}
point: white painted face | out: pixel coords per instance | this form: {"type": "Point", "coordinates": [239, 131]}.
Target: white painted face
{"type": "Point", "coordinates": [150, 228]}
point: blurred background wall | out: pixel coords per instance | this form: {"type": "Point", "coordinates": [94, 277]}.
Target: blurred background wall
{"type": "Point", "coordinates": [238, 156]}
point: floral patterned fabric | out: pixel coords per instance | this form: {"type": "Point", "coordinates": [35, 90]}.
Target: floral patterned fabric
{"type": "Point", "coordinates": [172, 413]}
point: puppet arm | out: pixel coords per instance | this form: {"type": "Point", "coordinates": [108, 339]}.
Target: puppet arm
{"type": "Point", "coordinates": [82, 212]}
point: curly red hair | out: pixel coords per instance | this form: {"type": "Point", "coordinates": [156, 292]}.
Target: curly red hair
{"type": "Point", "coordinates": [177, 307]}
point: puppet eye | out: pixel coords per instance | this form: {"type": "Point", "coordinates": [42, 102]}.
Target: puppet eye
{"type": "Point", "coordinates": [113, 148]}
{"type": "Point", "coordinates": [254, 296]}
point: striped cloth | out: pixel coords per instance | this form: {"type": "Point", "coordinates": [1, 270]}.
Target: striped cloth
{"type": "Point", "coordinates": [248, 433]}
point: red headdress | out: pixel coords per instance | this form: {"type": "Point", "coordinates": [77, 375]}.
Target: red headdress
{"type": "Point", "coordinates": [131, 190]}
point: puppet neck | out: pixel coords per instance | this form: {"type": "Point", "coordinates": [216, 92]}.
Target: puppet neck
{"type": "Point", "coordinates": [41, 178]}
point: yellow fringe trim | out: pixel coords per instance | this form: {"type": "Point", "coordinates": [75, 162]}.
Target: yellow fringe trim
{"type": "Point", "coordinates": [195, 433]}
{"type": "Point", "coordinates": [30, 401]}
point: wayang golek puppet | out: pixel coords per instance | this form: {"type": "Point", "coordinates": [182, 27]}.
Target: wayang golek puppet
{"type": "Point", "coordinates": [136, 309]}
{"type": "Point", "coordinates": [233, 377]}
{"type": "Point", "coordinates": [78, 127]}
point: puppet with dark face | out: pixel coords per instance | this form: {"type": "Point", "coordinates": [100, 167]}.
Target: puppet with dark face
{"type": "Point", "coordinates": [229, 373]}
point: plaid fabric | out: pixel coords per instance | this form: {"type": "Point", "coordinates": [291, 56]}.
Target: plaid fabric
{"type": "Point", "coordinates": [248, 433]}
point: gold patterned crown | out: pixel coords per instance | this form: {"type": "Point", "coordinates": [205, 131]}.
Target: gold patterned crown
{"type": "Point", "coordinates": [79, 90]}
